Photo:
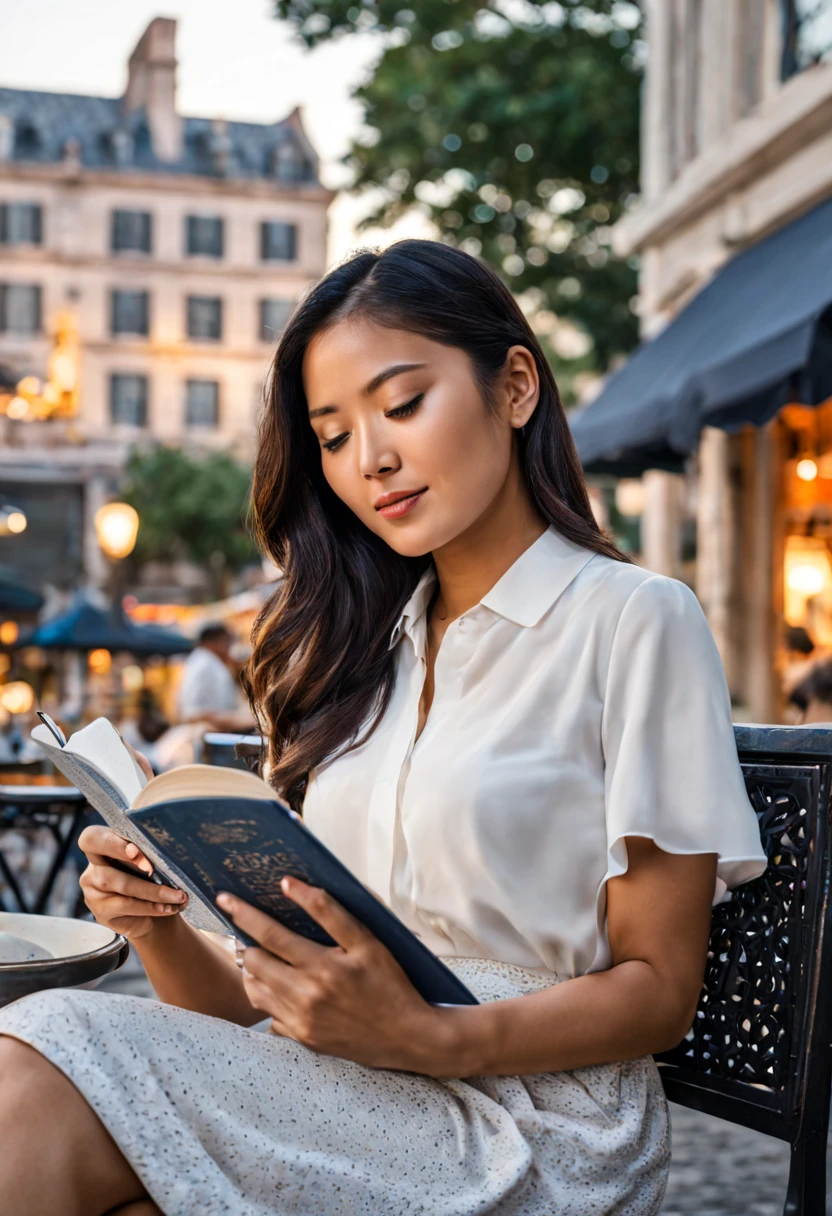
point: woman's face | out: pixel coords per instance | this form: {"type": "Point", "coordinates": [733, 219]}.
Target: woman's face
{"type": "Point", "coordinates": [407, 441]}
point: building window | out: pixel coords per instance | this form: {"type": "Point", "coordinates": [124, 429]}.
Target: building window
{"type": "Point", "coordinates": [278, 241]}
{"type": "Point", "coordinates": [128, 400]}
{"type": "Point", "coordinates": [202, 403]}
{"type": "Point", "coordinates": [273, 317]}
{"type": "Point", "coordinates": [132, 231]}
{"type": "Point", "coordinates": [205, 318]}
{"type": "Point", "coordinates": [290, 164]}
{"type": "Point", "coordinates": [130, 312]}
{"type": "Point", "coordinates": [807, 34]}
{"type": "Point", "coordinates": [20, 309]}
{"type": "Point", "coordinates": [20, 224]}
{"type": "Point", "coordinates": [204, 235]}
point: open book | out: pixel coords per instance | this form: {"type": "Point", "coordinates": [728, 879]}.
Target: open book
{"type": "Point", "coordinates": [207, 829]}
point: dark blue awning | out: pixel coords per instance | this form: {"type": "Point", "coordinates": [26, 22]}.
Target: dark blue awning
{"type": "Point", "coordinates": [757, 337]}
{"type": "Point", "coordinates": [86, 626]}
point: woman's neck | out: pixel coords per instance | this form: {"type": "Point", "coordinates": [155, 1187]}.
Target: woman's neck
{"type": "Point", "coordinates": [469, 566]}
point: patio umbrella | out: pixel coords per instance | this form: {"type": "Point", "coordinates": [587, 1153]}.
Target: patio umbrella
{"type": "Point", "coordinates": [16, 596]}
{"type": "Point", "coordinates": [86, 626]}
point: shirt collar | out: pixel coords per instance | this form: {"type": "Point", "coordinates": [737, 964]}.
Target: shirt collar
{"type": "Point", "coordinates": [527, 590]}
{"type": "Point", "coordinates": [415, 607]}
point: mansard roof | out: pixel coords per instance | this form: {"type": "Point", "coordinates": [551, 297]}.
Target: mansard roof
{"type": "Point", "coordinates": [43, 128]}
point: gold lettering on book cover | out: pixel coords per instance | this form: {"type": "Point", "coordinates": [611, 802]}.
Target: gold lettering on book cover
{"type": "Point", "coordinates": [261, 873]}
{"type": "Point", "coordinates": [231, 831]}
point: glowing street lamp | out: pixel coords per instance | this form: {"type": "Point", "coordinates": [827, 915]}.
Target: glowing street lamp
{"type": "Point", "coordinates": [117, 526]}
{"type": "Point", "coordinates": [12, 520]}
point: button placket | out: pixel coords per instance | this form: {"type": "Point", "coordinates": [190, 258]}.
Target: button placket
{"type": "Point", "coordinates": [383, 807]}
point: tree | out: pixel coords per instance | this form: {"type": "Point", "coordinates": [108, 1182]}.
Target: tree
{"type": "Point", "coordinates": [192, 509]}
{"type": "Point", "coordinates": [514, 126]}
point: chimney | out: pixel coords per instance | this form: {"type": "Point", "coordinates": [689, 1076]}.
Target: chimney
{"type": "Point", "coordinates": [151, 85]}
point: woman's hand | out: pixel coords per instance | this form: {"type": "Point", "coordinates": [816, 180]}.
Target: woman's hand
{"type": "Point", "coordinates": [350, 1000]}
{"type": "Point", "coordinates": [126, 904]}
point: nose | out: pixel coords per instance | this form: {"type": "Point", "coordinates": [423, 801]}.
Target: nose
{"type": "Point", "coordinates": [377, 458]}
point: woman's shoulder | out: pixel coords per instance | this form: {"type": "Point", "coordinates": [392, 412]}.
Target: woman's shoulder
{"type": "Point", "coordinates": [619, 589]}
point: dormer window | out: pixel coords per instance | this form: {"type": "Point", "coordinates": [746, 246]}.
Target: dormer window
{"type": "Point", "coordinates": [27, 142]}
{"type": "Point", "coordinates": [290, 164]}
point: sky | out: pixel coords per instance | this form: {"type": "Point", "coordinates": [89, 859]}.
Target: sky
{"type": "Point", "coordinates": [235, 62]}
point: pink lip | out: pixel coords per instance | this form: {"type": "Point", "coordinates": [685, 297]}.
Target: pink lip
{"type": "Point", "coordinates": [395, 508]}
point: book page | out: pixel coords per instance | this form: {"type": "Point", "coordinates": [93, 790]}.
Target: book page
{"type": "Point", "coordinates": [110, 804]}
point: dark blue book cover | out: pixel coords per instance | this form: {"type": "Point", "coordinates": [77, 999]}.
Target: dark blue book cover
{"type": "Point", "coordinates": [247, 845]}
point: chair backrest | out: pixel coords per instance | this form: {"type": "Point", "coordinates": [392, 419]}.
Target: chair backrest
{"type": "Point", "coordinates": [759, 1050]}
{"type": "Point", "coordinates": [230, 751]}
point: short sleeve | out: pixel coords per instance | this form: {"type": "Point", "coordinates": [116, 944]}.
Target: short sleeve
{"type": "Point", "coordinates": [671, 767]}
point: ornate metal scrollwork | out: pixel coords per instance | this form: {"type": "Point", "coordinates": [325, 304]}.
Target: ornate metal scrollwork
{"type": "Point", "coordinates": [743, 1025]}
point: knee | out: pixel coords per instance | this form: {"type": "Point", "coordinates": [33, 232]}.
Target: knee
{"type": "Point", "coordinates": [26, 1079]}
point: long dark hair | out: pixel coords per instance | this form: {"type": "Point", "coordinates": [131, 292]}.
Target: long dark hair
{"type": "Point", "coordinates": [321, 672]}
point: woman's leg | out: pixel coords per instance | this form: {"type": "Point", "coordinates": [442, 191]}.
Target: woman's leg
{"type": "Point", "coordinates": [57, 1155]}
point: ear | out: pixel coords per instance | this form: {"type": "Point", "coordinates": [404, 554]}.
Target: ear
{"type": "Point", "coordinates": [522, 385]}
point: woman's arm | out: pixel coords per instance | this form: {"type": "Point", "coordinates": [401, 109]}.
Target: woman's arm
{"type": "Point", "coordinates": [354, 1001]}
{"type": "Point", "coordinates": [188, 969]}
{"type": "Point", "coordinates": [658, 922]}
{"type": "Point", "coordinates": [185, 967]}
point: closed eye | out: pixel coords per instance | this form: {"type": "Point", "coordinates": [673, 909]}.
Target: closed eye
{"type": "Point", "coordinates": [401, 411]}
{"type": "Point", "coordinates": [409, 407]}
{"type": "Point", "coordinates": [332, 445]}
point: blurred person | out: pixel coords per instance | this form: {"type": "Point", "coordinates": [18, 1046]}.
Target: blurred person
{"type": "Point", "coordinates": [208, 692]}
{"type": "Point", "coordinates": [799, 656]}
{"type": "Point", "coordinates": [520, 739]}
{"type": "Point", "coordinates": [812, 696]}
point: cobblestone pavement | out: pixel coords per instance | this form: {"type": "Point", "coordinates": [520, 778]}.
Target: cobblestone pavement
{"type": "Point", "coordinates": [717, 1169]}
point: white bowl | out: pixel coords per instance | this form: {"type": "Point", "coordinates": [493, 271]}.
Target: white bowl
{"type": "Point", "coordinates": [83, 952]}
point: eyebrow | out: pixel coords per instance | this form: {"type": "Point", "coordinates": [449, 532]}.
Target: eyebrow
{"type": "Point", "coordinates": [395, 369]}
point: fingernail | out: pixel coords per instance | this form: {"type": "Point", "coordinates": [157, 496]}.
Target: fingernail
{"type": "Point", "coordinates": [132, 851]}
{"type": "Point", "coordinates": [225, 901]}
{"type": "Point", "coordinates": [168, 907]}
{"type": "Point", "coordinates": [181, 897]}
{"type": "Point", "coordinates": [285, 882]}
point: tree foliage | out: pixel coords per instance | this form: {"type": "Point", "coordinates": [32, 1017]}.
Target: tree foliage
{"type": "Point", "coordinates": [514, 126]}
{"type": "Point", "coordinates": [189, 508]}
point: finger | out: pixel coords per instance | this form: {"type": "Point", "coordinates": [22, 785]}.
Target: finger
{"type": "Point", "coordinates": [113, 906]}
{"type": "Point", "coordinates": [273, 936]}
{"type": "Point", "coordinates": [330, 915]}
{"type": "Point", "coordinates": [259, 995]}
{"type": "Point", "coordinates": [100, 843]}
{"type": "Point", "coordinates": [262, 965]}
{"type": "Point", "coordinates": [108, 879]}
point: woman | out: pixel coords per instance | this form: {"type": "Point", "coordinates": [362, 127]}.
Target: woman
{"type": "Point", "coordinates": [519, 740]}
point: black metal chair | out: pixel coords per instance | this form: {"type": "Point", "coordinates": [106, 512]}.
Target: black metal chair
{"type": "Point", "coordinates": [760, 1050]}
{"type": "Point", "coordinates": [231, 751]}
{"type": "Point", "coordinates": [63, 810]}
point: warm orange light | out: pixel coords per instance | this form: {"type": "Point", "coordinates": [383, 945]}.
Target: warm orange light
{"type": "Point", "coordinates": [9, 633]}
{"type": "Point", "coordinates": [117, 526]}
{"type": "Point", "coordinates": [132, 678]}
{"type": "Point", "coordinates": [806, 469]}
{"type": "Point", "coordinates": [100, 661]}
{"type": "Point", "coordinates": [17, 697]}
{"type": "Point", "coordinates": [16, 522]}
{"type": "Point", "coordinates": [17, 408]}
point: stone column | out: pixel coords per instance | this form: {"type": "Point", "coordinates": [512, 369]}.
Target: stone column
{"type": "Point", "coordinates": [96, 568]}
{"type": "Point", "coordinates": [761, 680]}
{"type": "Point", "coordinates": [715, 543]}
{"type": "Point", "coordinates": [661, 522]}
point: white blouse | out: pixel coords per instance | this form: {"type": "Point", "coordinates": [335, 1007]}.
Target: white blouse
{"type": "Point", "coordinates": [581, 701]}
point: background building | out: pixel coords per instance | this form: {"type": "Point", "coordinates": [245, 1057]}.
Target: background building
{"type": "Point", "coordinates": [736, 146]}
{"type": "Point", "coordinates": [147, 264]}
